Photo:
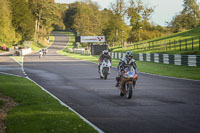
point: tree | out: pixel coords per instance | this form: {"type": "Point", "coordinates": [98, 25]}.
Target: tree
{"type": "Point", "coordinates": [23, 20]}
{"type": "Point", "coordinates": [188, 18]}
{"type": "Point", "coordinates": [139, 16]}
{"type": "Point", "coordinates": [114, 27]}
{"type": "Point", "coordinates": [119, 8]}
{"type": "Point", "coordinates": [61, 13]}
{"type": "Point", "coordinates": [84, 18]}
{"type": "Point", "coordinates": [45, 15]}
{"type": "Point", "coordinates": [7, 32]}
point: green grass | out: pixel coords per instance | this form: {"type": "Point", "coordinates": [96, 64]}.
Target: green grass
{"type": "Point", "coordinates": [1, 103]}
{"type": "Point", "coordinates": [37, 111]}
{"type": "Point", "coordinates": [18, 59]}
{"type": "Point", "coordinates": [169, 70]}
{"type": "Point", "coordinates": [42, 44]}
{"type": "Point", "coordinates": [148, 67]}
{"type": "Point", "coordinates": [144, 48]}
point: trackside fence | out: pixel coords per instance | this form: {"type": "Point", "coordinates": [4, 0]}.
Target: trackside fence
{"type": "Point", "coordinates": [188, 44]}
{"type": "Point", "coordinates": [176, 59]}
{"type": "Point", "coordinates": [188, 60]}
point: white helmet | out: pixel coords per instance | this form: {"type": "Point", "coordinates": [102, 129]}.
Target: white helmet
{"type": "Point", "coordinates": [105, 52]}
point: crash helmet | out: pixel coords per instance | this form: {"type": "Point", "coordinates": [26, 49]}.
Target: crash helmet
{"type": "Point", "coordinates": [129, 55]}
{"type": "Point", "coordinates": [105, 52]}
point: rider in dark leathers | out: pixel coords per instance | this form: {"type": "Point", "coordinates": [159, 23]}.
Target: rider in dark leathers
{"type": "Point", "coordinates": [102, 57]}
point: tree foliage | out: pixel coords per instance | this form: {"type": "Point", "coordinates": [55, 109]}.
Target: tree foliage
{"type": "Point", "coordinates": [22, 19]}
{"type": "Point", "coordinates": [45, 15]}
{"type": "Point", "coordinates": [188, 18]}
{"type": "Point", "coordinates": [7, 32]}
{"type": "Point", "coordinates": [84, 18]}
{"type": "Point", "coordinates": [139, 19]}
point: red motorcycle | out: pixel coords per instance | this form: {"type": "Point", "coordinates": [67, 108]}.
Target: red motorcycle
{"type": "Point", "coordinates": [127, 82]}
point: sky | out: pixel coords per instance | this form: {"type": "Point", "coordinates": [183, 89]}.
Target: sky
{"type": "Point", "coordinates": [164, 10]}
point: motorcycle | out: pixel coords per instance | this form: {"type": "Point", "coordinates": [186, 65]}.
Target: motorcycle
{"type": "Point", "coordinates": [127, 82]}
{"type": "Point", "coordinates": [40, 54]}
{"type": "Point", "coordinates": [105, 69]}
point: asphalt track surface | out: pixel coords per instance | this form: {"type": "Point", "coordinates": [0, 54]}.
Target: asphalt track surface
{"type": "Point", "coordinates": [159, 104]}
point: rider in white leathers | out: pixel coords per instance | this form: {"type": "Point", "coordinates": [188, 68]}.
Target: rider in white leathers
{"type": "Point", "coordinates": [126, 60]}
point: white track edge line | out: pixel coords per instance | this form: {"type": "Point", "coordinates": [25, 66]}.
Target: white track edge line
{"type": "Point", "coordinates": [16, 61]}
{"type": "Point", "coordinates": [154, 74]}
{"type": "Point", "coordinates": [62, 103]}
{"type": "Point", "coordinates": [11, 74]}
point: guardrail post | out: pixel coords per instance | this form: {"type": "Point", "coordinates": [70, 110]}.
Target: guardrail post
{"type": "Point", "coordinates": [174, 45]}
{"type": "Point", "coordinates": [199, 43]}
{"type": "Point", "coordinates": [152, 46]}
{"type": "Point", "coordinates": [192, 44]}
{"type": "Point", "coordinates": [186, 44]}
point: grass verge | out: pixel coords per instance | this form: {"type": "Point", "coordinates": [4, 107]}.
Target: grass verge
{"type": "Point", "coordinates": [186, 42]}
{"type": "Point", "coordinates": [149, 67]}
{"type": "Point", "coordinates": [42, 44]}
{"type": "Point", "coordinates": [1, 103]}
{"type": "Point", "coordinates": [36, 48]}
{"type": "Point", "coordinates": [37, 111]}
{"type": "Point", "coordinates": [18, 59]}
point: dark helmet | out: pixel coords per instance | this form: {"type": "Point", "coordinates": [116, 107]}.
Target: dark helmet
{"type": "Point", "coordinates": [105, 52]}
{"type": "Point", "coordinates": [129, 55]}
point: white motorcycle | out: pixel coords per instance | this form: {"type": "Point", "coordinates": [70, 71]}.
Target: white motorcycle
{"type": "Point", "coordinates": [105, 69]}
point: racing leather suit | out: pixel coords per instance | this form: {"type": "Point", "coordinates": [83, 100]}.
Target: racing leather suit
{"type": "Point", "coordinates": [122, 63]}
{"type": "Point", "coordinates": [102, 57]}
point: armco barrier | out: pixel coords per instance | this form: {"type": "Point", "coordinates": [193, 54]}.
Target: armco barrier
{"type": "Point", "coordinates": [26, 51]}
{"type": "Point", "coordinates": [187, 60]}
{"type": "Point", "coordinates": [79, 51]}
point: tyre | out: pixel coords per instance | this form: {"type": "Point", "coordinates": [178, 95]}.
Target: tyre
{"type": "Point", "coordinates": [105, 73]}
{"type": "Point", "coordinates": [129, 90]}
{"type": "Point", "coordinates": [105, 77]}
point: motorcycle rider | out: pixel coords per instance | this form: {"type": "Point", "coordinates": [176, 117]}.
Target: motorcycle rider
{"type": "Point", "coordinates": [126, 60]}
{"type": "Point", "coordinates": [102, 57]}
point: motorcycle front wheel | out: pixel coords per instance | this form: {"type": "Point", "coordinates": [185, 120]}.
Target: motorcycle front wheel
{"type": "Point", "coordinates": [129, 90]}
{"type": "Point", "coordinates": [105, 73]}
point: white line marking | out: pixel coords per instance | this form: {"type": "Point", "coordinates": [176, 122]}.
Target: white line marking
{"type": "Point", "coordinates": [10, 74]}
{"type": "Point", "coordinates": [62, 103]}
{"type": "Point", "coordinates": [152, 74]}
{"type": "Point", "coordinates": [169, 77]}
{"type": "Point", "coordinates": [15, 60]}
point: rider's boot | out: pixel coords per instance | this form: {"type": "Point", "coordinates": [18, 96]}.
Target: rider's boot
{"type": "Point", "coordinates": [117, 84]}
{"type": "Point", "coordinates": [117, 79]}
{"type": "Point", "coordinates": [98, 68]}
